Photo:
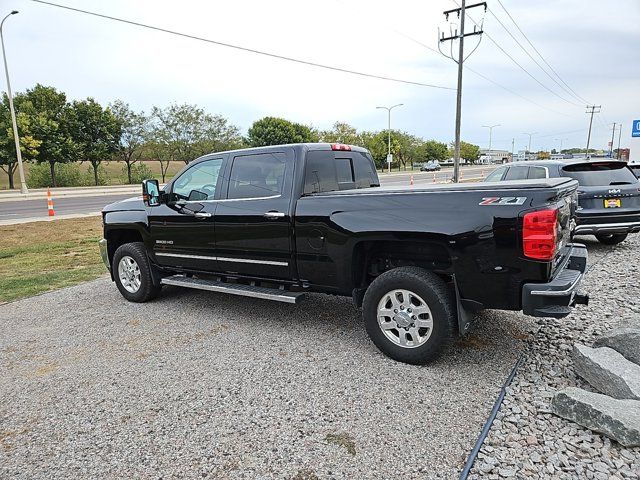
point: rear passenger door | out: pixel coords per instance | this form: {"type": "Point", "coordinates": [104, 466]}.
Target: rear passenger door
{"type": "Point", "coordinates": [253, 219]}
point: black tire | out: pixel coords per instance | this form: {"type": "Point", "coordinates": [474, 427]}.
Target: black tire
{"type": "Point", "coordinates": [611, 238]}
{"type": "Point", "coordinates": [437, 296]}
{"type": "Point", "coordinates": [147, 289]}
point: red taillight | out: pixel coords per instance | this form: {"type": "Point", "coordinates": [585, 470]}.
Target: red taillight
{"type": "Point", "coordinates": [340, 146]}
{"type": "Point", "coordinates": [540, 234]}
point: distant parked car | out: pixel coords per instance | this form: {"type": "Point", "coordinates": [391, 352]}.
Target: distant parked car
{"type": "Point", "coordinates": [608, 196]}
{"type": "Point", "coordinates": [430, 167]}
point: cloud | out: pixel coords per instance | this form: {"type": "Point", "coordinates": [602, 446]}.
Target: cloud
{"type": "Point", "coordinates": [588, 42]}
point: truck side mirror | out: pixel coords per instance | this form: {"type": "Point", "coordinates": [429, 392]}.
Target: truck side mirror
{"type": "Point", "coordinates": [151, 193]}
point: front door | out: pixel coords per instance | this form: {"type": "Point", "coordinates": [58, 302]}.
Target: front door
{"type": "Point", "coordinates": [182, 231]}
{"type": "Point", "coordinates": [253, 220]}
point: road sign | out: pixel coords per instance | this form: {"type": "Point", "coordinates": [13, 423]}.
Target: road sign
{"type": "Point", "coordinates": [635, 130]}
{"type": "Point", "coordinates": [390, 156]}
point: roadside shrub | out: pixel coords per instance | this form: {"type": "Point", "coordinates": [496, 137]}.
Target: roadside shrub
{"type": "Point", "coordinates": [88, 180]}
{"type": "Point", "coordinates": [139, 172]}
{"type": "Point", "coordinates": [67, 175]}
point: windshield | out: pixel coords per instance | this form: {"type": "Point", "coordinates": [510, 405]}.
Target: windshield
{"type": "Point", "coordinates": [600, 174]}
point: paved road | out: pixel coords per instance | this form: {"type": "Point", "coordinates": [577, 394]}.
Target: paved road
{"type": "Point", "coordinates": [63, 206]}
{"type": "Point", "coordinates": [31, 209]}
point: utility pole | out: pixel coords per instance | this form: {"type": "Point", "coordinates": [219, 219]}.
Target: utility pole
{"type": "Point", "coordinates": [613, 134]}
{"type": "Point", "coordinates": [591, 109]}
{"type": "Point", "coordinates": [459, 35]}
{"type": "Point", "coordinates": [530, 135]}
{"type": "Point", "coordinates": [490, 127]}
{"type": "Point", "coordinates": [388, 109]}
{"type": "Point", "coordinates": [619, 135]}
{"type": "Point", "coordinates": [513, 147]}
{"type": "Point", "coordinates": [16, 137]}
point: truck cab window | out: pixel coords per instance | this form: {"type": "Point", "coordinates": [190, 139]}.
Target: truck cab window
{"type": "Point", "coordinates": [364, 171]}
{"type": "Point", "coordinates": [320, 173]}
{"type": "Point", "coordinates": [255, 176]}
{"type": "Point", "coordinates": [517, 173]}
{"type": "Point", "coordinates": [496, 175]}
{"type": "Point", "coordinates": [328, 171]}
{"type": "Point", "coordinates": [198, 182]}
{"type": "Point", "coordinates": [537, 172]}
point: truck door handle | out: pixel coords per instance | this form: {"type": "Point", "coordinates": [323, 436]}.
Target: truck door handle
{"type": "Point", "coordinates": [202, 215]}
{"type": "Point", "coordinates": [273, 215]}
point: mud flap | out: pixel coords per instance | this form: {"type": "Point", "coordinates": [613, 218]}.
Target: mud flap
{"type": "Point", "coordinates": [464, 316]}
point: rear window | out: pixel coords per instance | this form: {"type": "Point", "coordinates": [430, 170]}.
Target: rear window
{"type": "Point", "coordinates": [517, 173]}
{"type": "Point", "coordinates": [600, 174]}
{"type": "Point", "coordinates": [537, 172]}
{"type": "Point", "coordinates": [328, 171]}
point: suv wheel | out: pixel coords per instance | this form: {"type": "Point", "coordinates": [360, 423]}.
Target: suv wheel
{"type": "Point", "coordinates": [409, 313]}
{"type": "Point", "coordinates": [132, 273]}
{"type": "Point", "coordinates": [612, 238]}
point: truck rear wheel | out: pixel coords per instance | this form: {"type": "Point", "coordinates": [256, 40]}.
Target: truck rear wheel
{"type": "Point", "coordinates": [611, 238]}
{"type": "Point", "coordinates": [132, 273]}
{"type": "Point", "coordinates": [409, 313]}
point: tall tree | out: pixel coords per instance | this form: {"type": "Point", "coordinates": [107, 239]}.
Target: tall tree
{"type": "Point", "coordinates": [96, 131]}
{"type": "Point", "coordinates": [278, 131]}
{"type": "Point", "coordinates": [469, 152]}
{"type": "Point", "coordinates": [188, 132]}
{"type": "Point", "coordinates": [49, 118]}
{"type": "Point", "coordinates": [342, 133]}
{"type": "Point", "coordinates": [133, 130]}
{"type": "Point", "coordinates": [435, 150]}
{"type": "Point", "coordinates": [28, 144]}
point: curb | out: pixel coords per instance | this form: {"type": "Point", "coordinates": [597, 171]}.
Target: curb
{"type": "Point", "coordinates": [19, 221]}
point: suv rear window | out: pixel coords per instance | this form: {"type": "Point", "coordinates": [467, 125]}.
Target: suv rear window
{"type": "Point", "coordinates": [329, 171]}
{"type": "Point", "coordinates": [599, 174]}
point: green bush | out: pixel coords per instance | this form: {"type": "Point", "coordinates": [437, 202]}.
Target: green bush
{"type": "Point", "coordinates": [88, 179]}
{"type": "Point", "coordinates": [67, 175]}
{"type": "Point", "coordinates": [139, 172]}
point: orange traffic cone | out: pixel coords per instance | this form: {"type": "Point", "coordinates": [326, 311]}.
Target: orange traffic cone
{"type": "Point", "coordinates": [50, 203]}
{"type": "Point", "coordinates": [411, 180]}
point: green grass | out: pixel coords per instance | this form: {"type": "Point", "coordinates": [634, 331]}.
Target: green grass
{"type": "Point", "coordinates": [41, 256]}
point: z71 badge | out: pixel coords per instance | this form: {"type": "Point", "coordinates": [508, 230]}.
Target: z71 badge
{"type": "Point", "coordinates": [503, 201]}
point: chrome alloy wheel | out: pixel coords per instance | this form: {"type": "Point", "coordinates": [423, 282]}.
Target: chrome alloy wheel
{"type": "Point", "coordinates": [405, 318]}
{"type": "Point", "coordinates": [129, 274]}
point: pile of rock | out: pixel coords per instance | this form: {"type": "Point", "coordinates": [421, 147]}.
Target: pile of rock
{"type": "Point", "coordinates": [612, 367]}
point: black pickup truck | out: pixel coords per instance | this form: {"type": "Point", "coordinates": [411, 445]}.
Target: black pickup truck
{"type": "Point", "coordinates": [276, 222]}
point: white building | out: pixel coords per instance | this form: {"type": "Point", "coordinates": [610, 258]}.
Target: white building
{"type": "Point", "coordinates": [494, 156]}
{"type": "Point", "coordinates": [523, 156]}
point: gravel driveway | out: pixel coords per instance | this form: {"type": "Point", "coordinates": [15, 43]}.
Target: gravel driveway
{"type": "Point", "coordinates": [200, 384]}
{"type": "Point", "coordinates": [527, 441]}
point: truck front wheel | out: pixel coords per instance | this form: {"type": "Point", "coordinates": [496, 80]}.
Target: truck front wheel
{"type": "Point", "coordinates": [132, 273]}
{"type": "Point", "coordinates": [409, 313]}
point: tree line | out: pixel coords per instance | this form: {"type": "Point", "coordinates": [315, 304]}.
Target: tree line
{"type": "Point", "coordinates": [55, 131]}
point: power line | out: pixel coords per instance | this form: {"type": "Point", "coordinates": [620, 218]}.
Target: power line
{"type": "Point", "coordinates": [514, 61]}
{"type": "Point", "coordinates": [481, 75]}
{"type": "Point", "coordinates": [539, 54]}
{"type": "Point", "coordinates": [244, 49]}
{"type": "Point", "coordinates": [534, 60]}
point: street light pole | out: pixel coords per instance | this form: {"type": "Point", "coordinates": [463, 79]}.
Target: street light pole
{"type": "Point", "coordinates": [388, 109]}
{"type": "Point", "coordinates": [490, 127]}
{"type": "Point", "coordinates": [16, 137]}
{"type": "Point", "coordinates": [530, 135]}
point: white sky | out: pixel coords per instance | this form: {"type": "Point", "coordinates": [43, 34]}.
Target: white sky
{"type": "Point", "coordinates": [594, 45]}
